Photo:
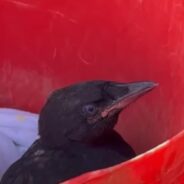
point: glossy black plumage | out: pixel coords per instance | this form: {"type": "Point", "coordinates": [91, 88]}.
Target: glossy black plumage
{"type": "Point", "coordinates": [76, 133]}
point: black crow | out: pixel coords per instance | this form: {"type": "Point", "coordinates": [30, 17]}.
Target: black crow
{"type": "Point", "coordinates": [76, 133]}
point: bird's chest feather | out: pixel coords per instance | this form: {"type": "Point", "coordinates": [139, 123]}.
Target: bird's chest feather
{"type": "Point", "coordinates": [63, 164]}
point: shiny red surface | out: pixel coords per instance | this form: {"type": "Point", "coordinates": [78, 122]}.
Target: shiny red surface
{"type": "Point", "coordinates": [163, 165]}
{"type": "Point", "coordinates": [46, 44]}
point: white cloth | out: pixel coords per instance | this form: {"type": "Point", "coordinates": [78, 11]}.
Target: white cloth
{"type": "Point", "coordinates": [18, 130]}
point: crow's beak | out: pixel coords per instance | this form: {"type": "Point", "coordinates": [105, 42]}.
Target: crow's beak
{"type": "Point", "coordinates": [123, 94]}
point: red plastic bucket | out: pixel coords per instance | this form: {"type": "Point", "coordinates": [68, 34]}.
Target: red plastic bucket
{"type": "Point", "coordinates": [47, 44]}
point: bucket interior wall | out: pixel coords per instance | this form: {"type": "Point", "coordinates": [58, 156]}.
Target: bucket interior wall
{"type": "Point", "coordinates": [49, 44]}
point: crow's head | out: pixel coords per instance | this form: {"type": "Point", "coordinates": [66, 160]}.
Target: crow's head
{"type": "Point", "coordinates": [86, 111]}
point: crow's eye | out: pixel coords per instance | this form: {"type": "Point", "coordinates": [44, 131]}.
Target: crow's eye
{"type": "Point", "coordinates": [90, 109]}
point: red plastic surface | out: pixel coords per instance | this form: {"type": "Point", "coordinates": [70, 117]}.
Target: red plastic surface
{"type": "Point", "coordinates": [162, 165]}
{"type": "Point", "coordinates": [45, 44]}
